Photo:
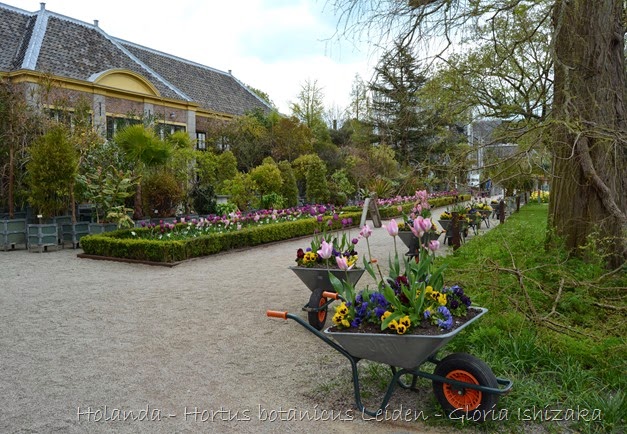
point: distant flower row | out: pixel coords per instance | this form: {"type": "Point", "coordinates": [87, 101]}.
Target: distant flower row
{"type": "Point", "coordinates": [185, 228]}
{"type": "Point", "coordinates": [400, 200]}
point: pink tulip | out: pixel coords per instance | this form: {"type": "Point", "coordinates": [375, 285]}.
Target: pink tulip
{"type": "Point", "coordinates": [365, 232]}
{"type": "Point", "coordinates": [417, 229]}
{"type": "Point", "coordinates": [392, 228]}
{"type": "Point", "coordinates": [326, 250]}
{"type": "Point", "coordinates": [342, 263]}
{"type": "Point", "coordinates": [434, 245]}
{"type": "Point", "coordinates": [425, 224]}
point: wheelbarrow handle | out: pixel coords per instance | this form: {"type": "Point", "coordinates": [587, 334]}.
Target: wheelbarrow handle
{"type": "Point", "coordinates": [276, 314]}
{"type": "Point", "coordinates": [333, 295]}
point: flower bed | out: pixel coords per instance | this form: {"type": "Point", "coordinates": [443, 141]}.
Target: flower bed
{"type": "Point", "coordinates": [175, 242]}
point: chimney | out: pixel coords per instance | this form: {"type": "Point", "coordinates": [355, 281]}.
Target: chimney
{"type": "Point", "coordinates": [43, 6]}
{"type": "Point", "coordinates": [95, 23]}
{"type": "Point", "coordinates": [230, 72]}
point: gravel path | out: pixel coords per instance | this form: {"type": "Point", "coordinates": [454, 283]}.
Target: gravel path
{"type": "Point", "coordinates": [84, 342]}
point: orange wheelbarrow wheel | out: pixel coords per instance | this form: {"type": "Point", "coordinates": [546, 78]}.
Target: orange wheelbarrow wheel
{"type": "Point", "coordinates": [458, 401]}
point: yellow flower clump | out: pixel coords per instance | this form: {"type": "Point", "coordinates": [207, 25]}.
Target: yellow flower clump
{"type": "Point", "coordinates": [339, 319]}
{"type": "Point", "coordinates": [310, 257]}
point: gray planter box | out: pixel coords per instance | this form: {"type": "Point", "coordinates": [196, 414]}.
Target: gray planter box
{"type": "Point", "coordinates": [60, 221]}
{"type": "Point", "coordinates": [42, 236]}
{"type": "Point", "coordinates": [13, 232]}
{"type": "Point", "coordinates": [99, 228]}
{"type": "Point", "coordinates": [72, 233]}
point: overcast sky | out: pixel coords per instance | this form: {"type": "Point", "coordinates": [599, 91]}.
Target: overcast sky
{"type": "Point", "coordinates": [272, 45]}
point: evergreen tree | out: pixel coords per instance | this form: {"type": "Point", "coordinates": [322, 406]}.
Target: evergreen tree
{"type": "Point", "coordinates": [317, 187]}
{"type": "Point", "coordinates": [289, 189]}
{"type": "Point", "coordinates": [395, 103]}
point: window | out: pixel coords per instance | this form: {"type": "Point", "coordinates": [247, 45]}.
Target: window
{"type": "Point", "coordinates": [223, 144]}
{"type": "Point", "coordinates": [114, 124]}
{"type": "Point", "coordinates": [65, 117]}
{"type": "Point", "coordinates": [201, 141]}
{"type": "Point", "coordinates": [166, 130]}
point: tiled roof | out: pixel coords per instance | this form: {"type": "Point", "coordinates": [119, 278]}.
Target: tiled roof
{"type": "Point", "coordinates": [15, 30]}
{"type": "Point", "coordinates": [65, 47]}
{"type": "Point", "coordinates": [212, 89]}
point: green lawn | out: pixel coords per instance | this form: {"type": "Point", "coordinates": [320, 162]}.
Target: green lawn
{"type": "Point", "coordinates": [556, 326]}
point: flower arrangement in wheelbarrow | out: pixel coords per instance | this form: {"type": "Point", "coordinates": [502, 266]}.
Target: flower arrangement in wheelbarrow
{"type": "Point", "coordinates": [411, 299]}
{"type": "Point", "coordinates": [421, 211]}
{"type": "Point", "coordinates": [325, 247]}
{"type": "Point", "coordinates": [320, 260]}
{"type": "Point", "coordinates": [391, 325]}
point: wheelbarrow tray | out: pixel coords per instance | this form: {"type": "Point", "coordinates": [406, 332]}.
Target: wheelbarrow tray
{"type": "Point", "coordinates": [318, 278]}
{"type": "Point", "coordinates": [403, 351]}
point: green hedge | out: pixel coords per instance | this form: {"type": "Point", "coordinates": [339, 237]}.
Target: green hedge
{"type": "Point", "coordinates": [121, 243]}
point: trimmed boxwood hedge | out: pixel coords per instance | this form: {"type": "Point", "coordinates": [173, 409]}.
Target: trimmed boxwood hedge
{"type": "Point", "coordinates": [121, 243]}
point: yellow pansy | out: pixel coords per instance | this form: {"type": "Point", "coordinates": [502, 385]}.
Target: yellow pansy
{"type": "Point", "coordinates": [345, 323]}
{"type": "Point", "coordinates": [393, 324]}
{"type": "Point", "coordinates": [385, 315]}
{"type": "Point", "coordinates": [401, 329]}
{"type": "Point", "coordinates": [405, 321]}
{"type": "Point", "coordinates": [337, 319]}
{"type": "Point", "coordinates": [342, 309]}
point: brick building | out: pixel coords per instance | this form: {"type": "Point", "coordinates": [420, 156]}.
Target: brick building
{"type": "Point", "coordinates": [118, 79]}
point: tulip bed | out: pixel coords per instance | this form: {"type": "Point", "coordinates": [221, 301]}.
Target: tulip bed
{"type": "Point", "coordinates": [171, 243]}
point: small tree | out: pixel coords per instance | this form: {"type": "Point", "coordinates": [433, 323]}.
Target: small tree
{"type": "Point", "coordinates": [161, 193]}
{"type": "Point", "coordinates": [143, 149]}
{"type": "Point", "coordinates": [182, 163]}
{"type": "Point", "coordinates": [226, 169]}
{"type": "Point", "coordinates": [317, 187]}
{"type": "Point", "coordinates": [241, 188]}
{"type": "Point", "coordinates": [289, 189]}
{"type": "Point", "coordinates": [51, 171]}
{"type": "Point", "coordinates": [267, 177]}
{"type": "Point", "coordinates": [107, 188]}
{"type": "Point", "coordinates": [341, 188]}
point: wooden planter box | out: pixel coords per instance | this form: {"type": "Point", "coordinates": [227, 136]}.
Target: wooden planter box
{"type": "Point", "coordinates": [73, 232]}
{"type": "Point", "coordinates": [13, 232]}
{"type": "Point", "coordinates": [42, 236]}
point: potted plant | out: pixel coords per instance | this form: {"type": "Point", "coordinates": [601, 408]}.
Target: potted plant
{"type": "Point", "coordinates": [12, 232]}
{"type": "Point", "coordinates": [51, 172]}
{"type": "Point", "coordinates": [317, 262]}
{"type": "Point", "coordinates": [107, 188]}
{"type": "Point", "coordinates": [418, 221]}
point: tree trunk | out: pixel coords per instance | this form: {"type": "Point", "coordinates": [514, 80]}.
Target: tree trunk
{"type": "Point", "coordinates": [588, 201]}
{"type": "Point", "coordinates": [11, 180]}
{"type": "Point", "coordinates": [138, 212]}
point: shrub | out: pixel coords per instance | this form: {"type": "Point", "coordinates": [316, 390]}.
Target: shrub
{"type": "Point", "coordinates": [161, 194]}
{"type": "Point", "coordinates": [204, 199]}
{"type": "Point", "coordinates": [289, 189]}
{"type": "Point", "coordinates": [317, 187]}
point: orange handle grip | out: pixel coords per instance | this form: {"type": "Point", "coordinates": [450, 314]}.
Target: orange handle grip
{"type": "Point", "coordinates": [333, 295]}
{"type": "Point", "coordinates": [276, 314]}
